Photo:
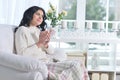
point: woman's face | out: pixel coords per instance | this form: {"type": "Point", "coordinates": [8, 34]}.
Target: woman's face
{"type": "Point", "coordinates": [37, 18]}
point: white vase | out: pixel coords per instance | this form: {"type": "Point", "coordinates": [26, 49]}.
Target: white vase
{"type": "Point", "coordinates": [56, 36]}
{"type": "Point", "coordinates": [95, 61]}
{"type": "Point", "coordinates": [54, 32]}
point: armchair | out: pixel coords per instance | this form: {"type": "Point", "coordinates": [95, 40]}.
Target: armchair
{"type": "Point", "coordinates": [16, 67]}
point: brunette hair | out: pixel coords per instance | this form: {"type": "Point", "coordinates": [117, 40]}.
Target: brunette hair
{"type": "Point", "coordinates": [28, 16]}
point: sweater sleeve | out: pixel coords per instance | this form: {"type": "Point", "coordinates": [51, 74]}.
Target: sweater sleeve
{"type": "Point", "coordinates": [26, 46]}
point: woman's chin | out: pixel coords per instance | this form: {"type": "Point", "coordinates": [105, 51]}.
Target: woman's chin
{"type": "Point", "coordinates": [38, 23]}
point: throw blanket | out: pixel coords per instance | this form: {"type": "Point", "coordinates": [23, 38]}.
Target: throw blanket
{"type": "Point", "coordinates": [67, 70]}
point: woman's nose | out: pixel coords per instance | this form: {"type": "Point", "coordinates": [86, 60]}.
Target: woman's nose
{"type": "Point", "coordinates": [40, 17]}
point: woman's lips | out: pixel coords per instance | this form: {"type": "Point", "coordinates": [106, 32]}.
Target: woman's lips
{"type": "Point", "coordinates": [39, 20]}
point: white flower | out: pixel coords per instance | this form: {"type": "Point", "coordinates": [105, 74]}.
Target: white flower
{"type": "Point", "coordinates": [53, 17]}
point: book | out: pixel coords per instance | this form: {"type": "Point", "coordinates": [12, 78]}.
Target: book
{"type": "Point", "coordinates": [104, 76]}
{"type": "Point", "coordinates": [96, 76]}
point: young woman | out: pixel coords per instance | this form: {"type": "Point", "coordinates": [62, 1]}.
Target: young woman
{"type": "Point", "coordinates": [31, 39]}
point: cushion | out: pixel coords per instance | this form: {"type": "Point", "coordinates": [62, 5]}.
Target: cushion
{"type": "Point", "coordinates": [10, 74]}
{"type": "Point", "coordinates": [6, 38]}
{"type": "Point", "coordinates": [22, 63]}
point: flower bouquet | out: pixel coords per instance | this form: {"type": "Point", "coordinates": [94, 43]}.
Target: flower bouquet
{"type": "Point", "coordinates": [53, 17]}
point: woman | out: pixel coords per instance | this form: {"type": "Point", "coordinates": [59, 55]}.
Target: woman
{"type": "Point", "coordinates": [30, 41]}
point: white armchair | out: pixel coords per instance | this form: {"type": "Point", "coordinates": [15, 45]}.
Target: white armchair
{"type": "Point", "coordinates": [16, 67]}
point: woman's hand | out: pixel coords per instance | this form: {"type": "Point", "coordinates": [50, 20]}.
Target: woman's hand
{"type": "Point", "coordinates": [44, 39]}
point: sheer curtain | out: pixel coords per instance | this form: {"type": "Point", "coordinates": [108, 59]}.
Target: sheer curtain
{"type": "Point", "coordinates": [11, 11]}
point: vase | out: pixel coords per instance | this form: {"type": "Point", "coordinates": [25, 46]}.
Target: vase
{"type": "Point", "coordinates": [55, 32]}
{"type": "Point", "coordinates": [95, 61]}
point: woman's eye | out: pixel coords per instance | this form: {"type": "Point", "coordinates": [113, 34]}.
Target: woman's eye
{"type": "Point", "coordinates": [39, 14]}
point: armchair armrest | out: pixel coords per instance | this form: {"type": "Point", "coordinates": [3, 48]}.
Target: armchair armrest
{"type": "Point", "coordinates": [59, 54]}
{"type": "Point", "coordinates": [22, 63]}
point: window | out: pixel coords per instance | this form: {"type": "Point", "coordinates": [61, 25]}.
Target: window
{"type": "Point", "coordinates": [104, 16]}
{"type": "Point", "coordinates": [100, 17]}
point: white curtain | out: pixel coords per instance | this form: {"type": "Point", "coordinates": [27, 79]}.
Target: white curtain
{"type": "Point", "coordinates": [11, 11]}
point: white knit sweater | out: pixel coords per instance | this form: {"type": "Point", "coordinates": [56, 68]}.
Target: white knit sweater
{"type": "Point", "coordinates": [25, 43]}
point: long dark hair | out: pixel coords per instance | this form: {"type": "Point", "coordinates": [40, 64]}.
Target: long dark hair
{"type": "Point", "coordinates": [28, 16]}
